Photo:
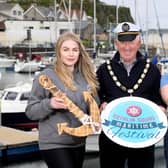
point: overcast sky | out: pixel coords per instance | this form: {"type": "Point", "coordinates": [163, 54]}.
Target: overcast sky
{"type": "Point", "coordinates": [146, 11]}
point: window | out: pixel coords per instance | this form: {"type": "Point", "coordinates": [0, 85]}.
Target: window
{"type": "Point", "coordinates": [19, 13]}
{"type": "Point", "coordinates": [11, 96]}
{"type": "Point", "coordinates": [14, 12]}
{"type": "Point", "coordinates": [25, 96]}
{"type": "Point", "coordinates": [45, 27]}
{"type": "Point", "coordinates": [63, 30]}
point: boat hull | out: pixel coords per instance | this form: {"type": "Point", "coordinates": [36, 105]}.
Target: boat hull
{"type": "Point", "coordinates": [6, 63]}
{"type": "Point", "coordinates": [18, 121]}
{"type": "Point", "coordinates": [27, 67]}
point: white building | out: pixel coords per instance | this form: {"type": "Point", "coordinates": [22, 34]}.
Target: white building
{"type": "Point", "coordinates": [41, 31]}
{"type": "Point", "coordinates": [38, 24]}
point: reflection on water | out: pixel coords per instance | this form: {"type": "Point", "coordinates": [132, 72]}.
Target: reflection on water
{"type": "Point", "coordinates": [9, 78]}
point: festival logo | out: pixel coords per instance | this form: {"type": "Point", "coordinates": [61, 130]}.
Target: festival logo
{"type": "Point", "coordinates": [134, 122]}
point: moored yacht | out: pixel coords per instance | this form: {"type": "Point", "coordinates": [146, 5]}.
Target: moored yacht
{"type": "Point", "coordinates": [13, 104]}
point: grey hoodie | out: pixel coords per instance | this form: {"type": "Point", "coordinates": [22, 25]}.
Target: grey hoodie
{"type": "Point", "coordinates": [39, 108]}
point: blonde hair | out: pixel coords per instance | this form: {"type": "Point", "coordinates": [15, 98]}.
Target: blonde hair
{"type": "Point", "coordinates": [84, 65]}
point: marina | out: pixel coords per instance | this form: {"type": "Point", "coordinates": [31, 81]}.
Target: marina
{"type": "Point", "coordinates": [26, 35]}
{"type": "Point", "coordinates": [34, 160]}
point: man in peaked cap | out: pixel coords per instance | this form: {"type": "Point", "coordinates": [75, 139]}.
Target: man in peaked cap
{"type": "Point", "coordinates": [128, 73]}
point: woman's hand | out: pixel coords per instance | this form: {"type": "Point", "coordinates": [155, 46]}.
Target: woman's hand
{"type": "Point", "coordinates": [57, 103]}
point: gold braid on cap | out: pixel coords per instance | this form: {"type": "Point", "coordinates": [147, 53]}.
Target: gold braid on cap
{"type": "Point", "coordinates": [90, 124]}
{"type": "Point", "coordinates": [131, 32]}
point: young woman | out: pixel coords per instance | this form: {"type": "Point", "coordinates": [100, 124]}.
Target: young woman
{"type": "Point", "coordinates": [72, 74]}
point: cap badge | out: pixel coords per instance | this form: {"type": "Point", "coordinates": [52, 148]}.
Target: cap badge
{"type": "Point", "coordinates": [125, 27]}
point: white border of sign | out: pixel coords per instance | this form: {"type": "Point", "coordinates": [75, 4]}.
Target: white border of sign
{"type": "Point", "coordinates": [109, 109]}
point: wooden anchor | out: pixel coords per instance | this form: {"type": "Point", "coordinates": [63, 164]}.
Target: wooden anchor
{"type": "Point", "coordinates": [90, 123]}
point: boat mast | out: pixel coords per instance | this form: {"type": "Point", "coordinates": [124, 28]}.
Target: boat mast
{"type": "Point", "coordinates": [116, 12]}
{"type": "Point", "coordinates": [94, 27]}
{"type": "Point", "coordinates": [135, 11]}
{"type": "Point", "coordinates": [55, 18]}
{"type": "Point", "coordinates": [69, 18]}
{"type": "Point", "coordinates": [81, 12]}
{"type": "Point", "coordinates": [68, 12]}
{"type": "Point", "coordinates": [159, 30]}
{"type": "Point", "coordinates": [146, 37]}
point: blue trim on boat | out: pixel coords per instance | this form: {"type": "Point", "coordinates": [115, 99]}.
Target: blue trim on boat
{"type": "Point", "coordinates": [23, 149]}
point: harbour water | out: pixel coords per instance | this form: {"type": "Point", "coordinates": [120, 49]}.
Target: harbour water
{"type": "Point", "coordinates": [9, 78]}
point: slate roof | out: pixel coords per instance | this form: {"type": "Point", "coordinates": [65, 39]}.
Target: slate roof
{"type": "Point", "coordinates": [6, 6]}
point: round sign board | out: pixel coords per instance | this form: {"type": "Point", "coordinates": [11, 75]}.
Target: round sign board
{"type": "Point", "coordinates": [133, 122]}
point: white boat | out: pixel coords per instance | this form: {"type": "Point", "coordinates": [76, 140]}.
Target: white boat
{"type": "Point", "coordinates": [13, 104]}
{"type": "Point", "coordinates": [6, 62]}
{"type": "Point", "coordinates": [31, 66]}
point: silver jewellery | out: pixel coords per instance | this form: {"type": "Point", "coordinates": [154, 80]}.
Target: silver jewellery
{"type": "Point", "coordinates": [136, 85]}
